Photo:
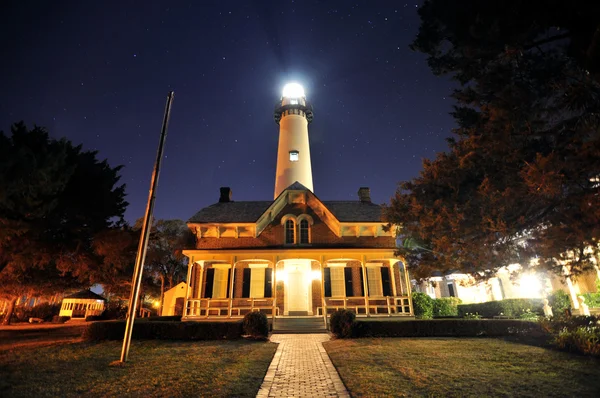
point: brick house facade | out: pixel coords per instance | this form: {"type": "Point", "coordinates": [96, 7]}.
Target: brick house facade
{"type": "Point", "coordinates": [295, 255]}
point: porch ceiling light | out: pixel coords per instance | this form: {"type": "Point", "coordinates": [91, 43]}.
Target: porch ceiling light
{"type": "Point", "coordinates": [530, 286]}
{"type": "Point", "coordinates": [316, 275]}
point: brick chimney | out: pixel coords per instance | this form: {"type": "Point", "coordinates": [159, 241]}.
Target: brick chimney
{"type": "Point", "coordinates": [364, 194]}
{"type": "Point", "coordinates": [225, 195]}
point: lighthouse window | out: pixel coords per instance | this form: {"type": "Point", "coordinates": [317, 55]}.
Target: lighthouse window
{"type": "Point", "coordinates": [294, 156]}
{"type": "Point", "coordinates": [294, 101]}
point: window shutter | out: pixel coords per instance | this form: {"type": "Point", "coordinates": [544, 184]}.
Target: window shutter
{"type": "Point", "coordinates": [362, 283]}
{"type": "Point", "coordinates": [348, 280]}
{"type": "Point", "coordinates": [268, 282]}
{"type": "Point", "coordinates": [327, 281]}
{"type": "Point", "coordinates": [385, 281]}
{"type": "Point", "coordinates": [246, 283]}
{"type": "Point", "coordinates": [228, 282]}
{"type": "Point", "coordinates": [208, 284]}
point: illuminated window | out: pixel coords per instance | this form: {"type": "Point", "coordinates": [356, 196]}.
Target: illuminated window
{"type": "Point", "coordinates": [294, 156]}
{"type": "Point", "coordinates": [294, 101]}
{"type": "Point", "coordinates": [304, 232]}
{"type": "Point", "coordinates": [220, 283]}
{"type": "Point", "coordinates": [257, 283]}
{"type": "Point", "coordinates": [374, 281]}
{"type": "Point", "coordinates": [338, 286]}
{"type": "Point", "coordinates": [290, 232]}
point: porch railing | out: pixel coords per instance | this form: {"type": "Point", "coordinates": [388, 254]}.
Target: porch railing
{"type": "Point", "coordinates": [229, 308]}
{"type": "Point", "coordinates": [363, 306]}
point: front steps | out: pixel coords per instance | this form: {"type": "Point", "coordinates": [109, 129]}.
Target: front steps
{"type": "Point", "coordinates": [299, 324]}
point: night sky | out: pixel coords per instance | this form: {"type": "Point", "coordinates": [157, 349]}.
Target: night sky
{"type": "Point", "coordinates": [98, 73]}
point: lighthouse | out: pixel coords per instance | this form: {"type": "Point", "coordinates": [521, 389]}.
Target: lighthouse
{"type": "Point", "coordinates": [293, 114]}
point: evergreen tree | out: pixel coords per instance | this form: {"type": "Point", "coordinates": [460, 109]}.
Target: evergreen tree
{"type": "Point", "coordinates": [55, 199]}
{"type": "Point", "coordinates": [520, 181]}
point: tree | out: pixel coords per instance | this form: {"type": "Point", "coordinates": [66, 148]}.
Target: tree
{"type": "Point", "coordinates": [165, 258]}
{"type": "Point", "coordinates": [520, 180]}
{"type": "Point", "coordinates": [55, 199]}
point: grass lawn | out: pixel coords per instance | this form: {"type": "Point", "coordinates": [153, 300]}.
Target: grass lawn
{"type": "Point", "coordinates": [460, 367]}
{"type": "Point", "coordinates": [155, 368]}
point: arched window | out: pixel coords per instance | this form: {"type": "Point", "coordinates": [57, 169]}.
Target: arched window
{"type": "Point", "coordinates": [304, 232]}
{"type": "Point", "coordinates": [290, 232]}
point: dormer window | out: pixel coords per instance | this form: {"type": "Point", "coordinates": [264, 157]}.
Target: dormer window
{"type": "Point", "coordinates": [294, 155]}
{"type": "Point", "coordinates": [304, 232]}
{"type": "Point", "coordinates": [290, 232]}
{"type": "Point", "coordinates": [296, 229]}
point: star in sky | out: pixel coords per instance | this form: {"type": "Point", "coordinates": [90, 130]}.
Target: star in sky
{"type": "Point", "coordinates": [99, 73]}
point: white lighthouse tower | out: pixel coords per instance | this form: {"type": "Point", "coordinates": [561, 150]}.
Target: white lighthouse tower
{"type": "Point", "coordinates": [293, 115]}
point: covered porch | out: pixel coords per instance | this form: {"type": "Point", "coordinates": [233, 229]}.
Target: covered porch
{"type": "Point", "coordinates": [227, 284]}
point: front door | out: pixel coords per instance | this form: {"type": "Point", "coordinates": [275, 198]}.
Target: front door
{"type": "Point", "coordinates": [297, 291]}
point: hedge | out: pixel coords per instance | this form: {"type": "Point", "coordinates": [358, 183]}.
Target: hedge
{"type": "Point", "coordinates": [445, 328]}
{"type": "Point", "coordinates": [446, 306]}
{"type": "Point", "coordinates": [166, 330]}
{"type": "Point", "coordinates": [512, 308]}
{"type": "Point", "coordinates": [164, 318]}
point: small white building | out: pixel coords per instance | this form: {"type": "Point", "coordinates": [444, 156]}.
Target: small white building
{"type": "Point", "coordinates": [174, 300]}
{"type": "Point", "coordinates": [505, 285]}
{"type": "Point", "coordinates": [82, 304]}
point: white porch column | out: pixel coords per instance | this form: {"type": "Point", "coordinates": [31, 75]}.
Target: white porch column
{"type": "Point", "coordinates": [274, 292]}
{"type": "Point", "coordinates": [231, 288]}
{"type": "Point", "coordinates": [572, 292]}
{"type": "Point", "coordinates": [187, 289]}
{"type": "Point", "coordinates": [393, 276]}
{"type": "Point", "coordinates": [365, 287]}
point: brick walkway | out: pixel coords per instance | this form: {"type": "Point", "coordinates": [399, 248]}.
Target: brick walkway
{"type": "Point", "coordinates": [301, 368]}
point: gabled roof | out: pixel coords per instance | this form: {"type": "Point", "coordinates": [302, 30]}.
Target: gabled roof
{"type": "Point", "coordinates": [348, 211]}
{"type": "Point", "coordinates": [251, 211]}
{"type": "Point", "coordinates": [85, 294]}
{"type": "Point", "coordinates": [231, 212]}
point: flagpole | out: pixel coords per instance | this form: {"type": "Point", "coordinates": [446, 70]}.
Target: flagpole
{"type": "Point", "coordinates": [141, 253]}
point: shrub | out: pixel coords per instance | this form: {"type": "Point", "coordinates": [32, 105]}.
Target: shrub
{"type": "Point", "coordinates": [559, 301]}
{"type": "Point", "coordinates": [470, 315]}
{"type": "Point", "coordinates": [528, 315]}
{"type": "Point", "coordinates": [342, 322]}
{"type": "Point", "coordinates": [592, 300]}
{"type": "Point", "coordinates": [447, 328]}
{"type": "Point", "coordinates": [115, 309]}
{"type": "Point", "coordinates": [574, 333]}
{"type": "Point", "coordinates": [422, 305]}
{"type": "Point", "coordinates": [583, 339]}
{"type": "Point", "coordinates": [256, 325]}
{"type": "Point", "coordinates": [169, 330]}
{"type": "Point", "coordinates": [446, 306]}
{"type": "Point", "coordinates": [560, 322]}
{"type": "Point", "coordinates": [511, 308]}
{"type": "Point", "coordinates": [44, 311]}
